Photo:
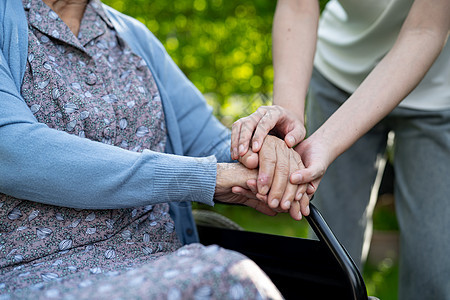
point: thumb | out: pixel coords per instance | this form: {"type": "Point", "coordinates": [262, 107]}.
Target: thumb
{"type": "Point", "coordinates": [295, 136]}
{"type": "Point", "coordinates": [310, 174]}
{"type": "Point", "coordinates": [250, 159]}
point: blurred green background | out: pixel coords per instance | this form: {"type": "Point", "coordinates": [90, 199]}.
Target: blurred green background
{"type": "Point", "coordinates": [224, 48]}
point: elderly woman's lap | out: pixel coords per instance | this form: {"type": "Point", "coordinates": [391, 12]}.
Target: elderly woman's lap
{"type": "Point", "coordinates": [191, 272]}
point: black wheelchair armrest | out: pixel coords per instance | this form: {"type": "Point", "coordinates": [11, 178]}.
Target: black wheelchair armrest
{"type": "Point", "coordinates": [323, 231]}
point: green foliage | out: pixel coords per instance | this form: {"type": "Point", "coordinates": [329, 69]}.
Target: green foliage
{"type": "Point", "coordinates": [382, 280]}
{"type": "Point", "coordinates": [384, 219]}
{"type": "Point", "coordinates": [223, 46]}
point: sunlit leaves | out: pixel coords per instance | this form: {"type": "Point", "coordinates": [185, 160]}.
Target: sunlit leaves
{"type": "Point", "coordinates": [224, 47]}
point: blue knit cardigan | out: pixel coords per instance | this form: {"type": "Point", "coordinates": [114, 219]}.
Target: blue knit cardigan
{"type": "Point", "coordinates": [45, 165]}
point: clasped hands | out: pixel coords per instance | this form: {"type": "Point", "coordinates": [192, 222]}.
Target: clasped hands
{"type": "Point", "coordinates": [261, 180]}
{"type": "Point", "coordinates": [274, 174]}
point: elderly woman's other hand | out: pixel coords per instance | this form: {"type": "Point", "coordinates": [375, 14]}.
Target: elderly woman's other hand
{"type": "Point", "coordinates": [234, 183]}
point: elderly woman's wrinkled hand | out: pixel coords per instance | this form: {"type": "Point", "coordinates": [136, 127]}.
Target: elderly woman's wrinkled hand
{"type": "Point", "coordinates": [276, 163]}
{"type": "Point", "coordinates": [234, 184]}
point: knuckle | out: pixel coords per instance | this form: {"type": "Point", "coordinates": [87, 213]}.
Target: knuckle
{"type": "Point", "coordinates": [268, 160]}
{"type": "Point", "coordinates": [267, 120]}
{"type": "Point", "coordinates": [278, 109]}
{"type": "Point", "coordinates": [284, 166]}
{"type": "Point", "coordinates": [244, 126]}
{"type": "Point", "coordinates": [261, 110]}
{"type": "Point", "coordinates": [237, 123]}
{"type": "Point", "coordinates": [263, 126]}
{"type": "Point", "coordinates": [256, 135]}
{"type": "Point", "coordinates": [278, 190]}
{"type": "Point", "coordinates": [245, 137]}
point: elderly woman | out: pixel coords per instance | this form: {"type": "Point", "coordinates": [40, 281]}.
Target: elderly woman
{"type": "Point", "coordinates": [91, 206]}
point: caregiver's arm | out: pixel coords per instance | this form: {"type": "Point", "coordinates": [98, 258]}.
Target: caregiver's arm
{"type": "Point", "coordinates": [421, 39]}
{"type": "Point", "coordinates": [294, 43]}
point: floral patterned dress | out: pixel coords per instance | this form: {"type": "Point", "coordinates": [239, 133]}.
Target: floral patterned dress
{"type": "Point", "coordinates": [95, 87]}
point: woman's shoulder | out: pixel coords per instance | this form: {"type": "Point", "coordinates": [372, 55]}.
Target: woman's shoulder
{"type": "Point", "coordinates": [13, 39]}
{"type": "Point", "coordinates": [10, 11]}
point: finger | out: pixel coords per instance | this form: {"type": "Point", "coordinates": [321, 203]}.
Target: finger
{"type": "Point", "coordinates": [264, 126]}
{"type": "Point", "coordinates": [310, 190]}
{"type": "Point", "coordinates": [304, 205]}
{"type": "Point", "coordinates": [295, 136]}
{"type": "Point", "coordinates": [294, 211]}
{"type": "Point", "coordinates": [235, 130]}
{"type": "Point", "coordinates": [237, 190]}
{"type": "Point", "coordinates": [250, 159]}
{"type": "Point", "coordinates": [267, 164]}
{"type": "Point", "coordinates": [251, 183]}
{"type": "Point", "coordinates": [262, 198]}
{"type": "Point", "coordinates": [279, 210]}
{"type": "Point", "coordinates": [247, 128]}
{"type": "Point", "coordinates": [261, 207]}
{"type": "Point", "coordinates": [307, 175]}
{"type": "Point", "coordinates": [291, 189]}
{"type": "Point", "coordinates": [281, 177]}
{"type": "Point", "coordinates": [289, 195]}
{"type": "Point", "coordinates": [312, 187]}
{"type": "Point", "coordinates": [301, 189]}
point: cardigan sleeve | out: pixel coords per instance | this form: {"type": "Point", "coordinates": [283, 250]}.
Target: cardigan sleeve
{"type": "Point", "coordinates": [53, 167]}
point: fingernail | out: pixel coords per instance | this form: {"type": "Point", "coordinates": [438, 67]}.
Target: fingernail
{"type": "Point", "coordinates": [299, 196]}
{"type": "Point", "coordinates": [296, 178]}
{"type": "Point", "coordinates": [241, 149]}
{"type": "Point", "coordinates": [287, 205]}
{"type": "Point", "coordinates": [264, 189]}
{"type": "Point", "coordinates": [307, 210]}
{"type": "Point", "coordinates": [235, 153]}
{"type": "Point", "coordinates": [275, 203]}
{"type": "Point", "coordinates": [291, 140]}
{"type": "Point", "coordinates": [299, 215]}
{"type": "Point", "coordinates": [255, 145]}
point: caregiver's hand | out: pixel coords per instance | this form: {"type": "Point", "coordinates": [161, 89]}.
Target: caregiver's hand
{"type": "Point", "coordinates": [267, 118]}
{"type": "Point", "coordinates": [316, 157]}
{"type": "Point", "coordinates": [233, 183]}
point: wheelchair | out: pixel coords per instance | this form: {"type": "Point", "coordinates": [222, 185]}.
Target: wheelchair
{"type": "Point", "coordinates": [324, 269]}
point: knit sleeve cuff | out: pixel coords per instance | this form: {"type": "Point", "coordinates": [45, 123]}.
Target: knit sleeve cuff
{"type": "Point", "coordinates": [183, 178]}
